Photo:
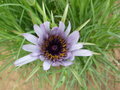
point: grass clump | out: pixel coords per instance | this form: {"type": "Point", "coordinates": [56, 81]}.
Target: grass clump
{"type": "Point", "coordinates": [97, 21]}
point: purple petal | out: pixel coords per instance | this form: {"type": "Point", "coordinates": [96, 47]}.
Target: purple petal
{"type": "Point", "coordinates": [73, 37]}
{"type": "Point", "coordinates": [61, 26]}
{"type": "Point", "coordinates": [34, 54]}
{"type": "Point", "coordinates": [40, 41]}
{"type": "Point", "coordinates": [82, 52]}
{"type": "Point", "coordinates": [55, 28]}
{"type": "Point", "coordinates": [47, 25]}
{"type": "Point", "coordinates": [25, 60]}
{"type": "Point", "coordinates": [70, 56]}
{"type": "Point", "coordinates": [76, 46]}
{"type": "Point", "coordinates": [46, 65]}
{"type": "Point", "coordinates": [42, 27]}
{"type": "Point", "coordinates": [68, 29]}
{"type": "Point", "coordinates": [56, 64]}
{"type": "Point", "coordinates": [57, 32]}
{"type": "Point", "coordinates": [31, 48]}
{"type": "Point", "coordinates": [66, 63]}
{"type": "Point", "coordinates": [38, 31]}
{"type": "Point", "coordinates": [42, 58]}
{"type": "Point", "coordinates": [30, 38]}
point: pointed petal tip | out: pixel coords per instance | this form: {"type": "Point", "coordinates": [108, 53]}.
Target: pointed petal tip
{"type": "Point", "coordinates": [35, 25]}
{"type": "Point", "coordinates": [31, 38]}
{"type": "Point", "coordinates": [68, 29]}
{"type": "Point", "coordinates": [47, 22]}
{"type": "Point", "coordinates": [69, 23]}
{"type": "Point", "coordinates": [24, 60]}
{"type": "Point", "coordinates": [46, 65]}
{"type": "Point", "coordinates": [15, 63]}
{"type": "Point", "coordinates": [83, 52]}
{"type": "Point", "coordinates": [46, 25]}
{"type": "Point", "coordinates": [73, 37]}
{"type": "Point", "coordinates": [61, 26]}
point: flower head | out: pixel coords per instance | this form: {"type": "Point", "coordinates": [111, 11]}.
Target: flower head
{"type": "Point", "coordinates": [54, 46]}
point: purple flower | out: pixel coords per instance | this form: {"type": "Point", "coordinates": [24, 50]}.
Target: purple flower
{"type": "Point", "coordinates": [54, 46]}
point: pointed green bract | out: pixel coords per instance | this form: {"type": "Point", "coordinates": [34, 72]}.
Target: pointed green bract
{"type": "Point", "coordinates": [65, 13]}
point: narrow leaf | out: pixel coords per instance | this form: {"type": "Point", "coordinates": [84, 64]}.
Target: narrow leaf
{"type": "Point", "coordinates": [33, 72]}
{"type": "Point", "coordinates": [65, 13]}
{"type": "Point", "coordinates": [83, 25]}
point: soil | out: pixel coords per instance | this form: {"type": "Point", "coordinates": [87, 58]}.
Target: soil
{"type": "Point", "coordinates": [10, 83]}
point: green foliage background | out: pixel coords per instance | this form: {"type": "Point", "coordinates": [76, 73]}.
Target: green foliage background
{"type": "Point", "coordinates": [103, 30]}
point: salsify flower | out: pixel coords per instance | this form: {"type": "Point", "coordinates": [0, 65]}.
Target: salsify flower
{"type": "Point", "coordinates": [54, 46]}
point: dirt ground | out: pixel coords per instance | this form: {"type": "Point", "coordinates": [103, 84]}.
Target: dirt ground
{"type": "Point", "coordinates": [10, 83]}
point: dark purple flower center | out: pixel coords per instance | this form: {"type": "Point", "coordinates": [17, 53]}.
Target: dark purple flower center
{"type": "Point", "coordinates": [54, 47]}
